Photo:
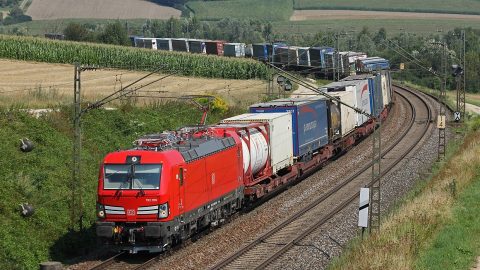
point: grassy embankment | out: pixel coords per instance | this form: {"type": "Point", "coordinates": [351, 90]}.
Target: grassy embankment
{"type": "Point", "coordinates": [43, 176]}
{"type": "Point", "coordinates": [268, 10]}
{"type": "Point", "coordinates": [431, 6]}
{"type": "Point", "coordinates": [437, 225]}
{"type": "Point", "coordinates": [451, 95]}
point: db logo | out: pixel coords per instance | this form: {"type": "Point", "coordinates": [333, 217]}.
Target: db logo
{"type": "Point", "coordinates": [130, 212]}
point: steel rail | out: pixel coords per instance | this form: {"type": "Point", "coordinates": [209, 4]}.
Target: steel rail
{"type": "Point", "coordinates": [319, 200]}
{"type": "Point", "coordinates": [108, 261]}
{"type": "Point", "coordinates": [347, 202]}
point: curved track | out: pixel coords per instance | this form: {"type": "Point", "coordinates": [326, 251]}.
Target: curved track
{"type": "Point", "coordinates": [124, 260]}
{"type": "Point", "coordinates": [277, 241]}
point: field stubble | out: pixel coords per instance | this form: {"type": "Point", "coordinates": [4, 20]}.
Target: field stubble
{"type": "Point", "coordinates": [40, 84]}
{"type": "Point", "coordinates": [106, 9]}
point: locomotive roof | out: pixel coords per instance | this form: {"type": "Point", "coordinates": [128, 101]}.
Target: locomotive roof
{"type": "Point", "coordinates": [190, 148]}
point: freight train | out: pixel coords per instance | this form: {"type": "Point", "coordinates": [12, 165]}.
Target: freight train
{"type": "Point", "coordinates": [175, 184]}
{"type": "Point", "coordinates": [318, 60]}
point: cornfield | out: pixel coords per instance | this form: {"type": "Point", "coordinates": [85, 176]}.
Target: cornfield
{"type": "Point", "coordinates": [108, 56]}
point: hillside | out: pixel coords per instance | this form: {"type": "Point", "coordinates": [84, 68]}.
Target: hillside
{"type": "Point", "coordinates": [43, 177]}
{"type": "Point", "coordinates": [432, 6]}
{"type": "Point", "coordinates": [103, 9]}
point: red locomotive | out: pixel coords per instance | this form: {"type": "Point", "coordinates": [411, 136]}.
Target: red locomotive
{"type": "Point", "coordinates": [175, 184]}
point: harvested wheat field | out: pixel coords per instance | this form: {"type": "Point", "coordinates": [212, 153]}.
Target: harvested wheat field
{"type": "Point", "coordinates": [39, 85]}
{"type": "Point", "coordinates": [100, 9]}
{"type": "Point", "coordinates": [304, 15]}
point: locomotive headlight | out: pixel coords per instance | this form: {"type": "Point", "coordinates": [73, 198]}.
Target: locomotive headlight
{"type": "Point", "coordinates": [163, 210]}
{"type": "Point", "coordinates": [100, 211]}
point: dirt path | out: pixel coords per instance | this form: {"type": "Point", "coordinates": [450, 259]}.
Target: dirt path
{"type": "Point", "coordinates": [39, 84]}
{"type": "Point", "coordinates": [100, 9]}
{"type": "Point", "coordinates": [304, 15]}
{"type": "Point", "coordinates": [477, 265]}
{"type": "Point", "coordinates": [472, 108]}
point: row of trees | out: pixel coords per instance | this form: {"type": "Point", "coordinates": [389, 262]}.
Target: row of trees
{"type": "Point", "coordinates": [15, 15]}
{"type": "Point", "coordinates": [379, 43]}
{"type": "Point", "coordinates": [248, 31]}
{"type": "Point", "coordinates": [8, 3]}
{"type": "Point", "coordinates": [113, 33]}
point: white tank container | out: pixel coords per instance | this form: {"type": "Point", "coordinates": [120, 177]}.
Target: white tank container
{"type": "Point", "coordinates": [256, 156]}
{"type": "Point", "coordinates": [280, 145]}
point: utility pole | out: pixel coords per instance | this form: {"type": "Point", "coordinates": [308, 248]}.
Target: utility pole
{"type": "Point", "coordinates": [77, 201]}
{"type": "Point", "coordinates": [336, 76]}
{"type": "Point", "coordinates": [442, 119]}
{"type": "Point", "coordinates": [460, 79]}
{"type": "Point", "coordinates": [374, 218]}
{"type": "Point", "coordinates": [376, 177]}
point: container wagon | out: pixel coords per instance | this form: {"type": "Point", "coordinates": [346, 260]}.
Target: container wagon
{"type": "Point", "coordinates": [147, 43]}
{"type": "Point", "coordinates": [164, 44]}
{"type": "Point", "coordinates": [196, 46]}
{"type": "Point", "coordinates": [234, 49]}
{"type": "Point", "coordinates": [214, 47]}
{"type": "Point", "coordinates": [318, 56]}
{"type": "Point", "coordinates": [180, 45]}
{"type": "Point", "coordinates": [309, 122]}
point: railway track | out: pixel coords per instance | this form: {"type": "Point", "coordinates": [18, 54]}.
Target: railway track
{"type": "Point", "coordinates": [273, 244]}
{"type": "Point", "coordinates": [124, 260]}
{"type": "Point", "coordinates": [267, 248]}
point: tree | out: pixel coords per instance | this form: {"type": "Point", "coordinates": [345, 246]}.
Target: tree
{"type": "Point", "coordinates": [115, 33]}
{"type": "Point", "coordinates": [16, 16]}
{"type": "Point", "coordinates": [380, 36]}
{"type": "Point", "coordinates": [173, 28]}
{"type": "Point", "coordinates": [76, 32]}
{"type": "Point", "coordinates": [267, 31]}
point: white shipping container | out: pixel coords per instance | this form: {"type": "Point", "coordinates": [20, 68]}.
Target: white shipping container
{"type": "Point", "coordinates": [361, 99]}
{"type": "Point", "coordinates": [348, 115]}
{"type": "Point", "coordinates": [386, 89]}
{"type": "Point", "coordinates": [280, 133]}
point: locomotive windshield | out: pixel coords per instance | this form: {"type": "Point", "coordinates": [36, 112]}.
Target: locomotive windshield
{"type": "Point", "coordinates": [135, 176]}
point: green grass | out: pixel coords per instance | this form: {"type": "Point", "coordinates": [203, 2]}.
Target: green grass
{"type": "Point", "coordinates": [470, 98]}
{"type": "Point", "coordinates": [434, 6]}
{"type": "Point", "coordinates": [268, 10]}
{"type": "Point", "coordinates": [420, 231]}
{"type": "Point", "coordinates": [457, 245]}
{"type": "Point", "coordinates": [43, 176]}
{"type": "Point", "coordinates": [393, 26]}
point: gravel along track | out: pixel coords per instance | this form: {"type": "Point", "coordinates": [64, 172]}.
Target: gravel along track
{"type": "Point", "coordinates": [126, 261]}
{"type": "Point", "coordinates": [210, 249]}
{"type": "Point", "coordinates": [274, 243]}
{"type": "Point", "coordinates": [327, 241]}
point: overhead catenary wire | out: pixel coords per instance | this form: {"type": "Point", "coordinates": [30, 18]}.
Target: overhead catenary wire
{"type": "Point", "coordinates": [307, 85]}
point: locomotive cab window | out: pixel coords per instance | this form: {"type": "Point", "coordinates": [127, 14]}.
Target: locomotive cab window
{"type": "Point", "coordinates": [135, 176]}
